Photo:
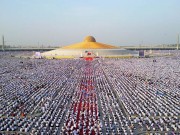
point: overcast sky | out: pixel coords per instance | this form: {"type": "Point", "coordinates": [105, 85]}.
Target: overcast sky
{"type": "Point", "coordinates": [116, 22]}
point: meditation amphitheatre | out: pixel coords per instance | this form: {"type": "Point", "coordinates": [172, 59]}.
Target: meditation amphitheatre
{"type": "Point", "coordinates": [89, 88]}
{"type": "Point", "coordinates": [90, 45]}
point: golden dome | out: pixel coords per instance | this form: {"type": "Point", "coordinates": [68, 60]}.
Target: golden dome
{"type": "Point", "coordinates": [89, 43]}
{"type": "Point", "coordinates": [89, 39]}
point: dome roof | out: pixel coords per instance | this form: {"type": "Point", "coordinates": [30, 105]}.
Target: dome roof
{"type": "Point", "coordinates": [89, 43]}
{"type": "Point", "coordinates": [89, 39]}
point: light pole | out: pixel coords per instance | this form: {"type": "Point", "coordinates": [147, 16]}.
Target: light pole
{"type": "Point", "coordinates": [3, 42]}
{"type": "Point", "coordinates": [177, 42]}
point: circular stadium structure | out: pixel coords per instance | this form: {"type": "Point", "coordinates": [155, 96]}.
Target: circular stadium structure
{"type": "Point", "coordinates": [90, 47]}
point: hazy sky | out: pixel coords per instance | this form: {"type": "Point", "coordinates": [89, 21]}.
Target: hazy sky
{"type": "Point", "coordinates": [116, 22]}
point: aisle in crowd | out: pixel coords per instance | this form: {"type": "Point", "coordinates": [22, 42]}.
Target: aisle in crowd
{"type": "Point", "coordinates": [82, 117]}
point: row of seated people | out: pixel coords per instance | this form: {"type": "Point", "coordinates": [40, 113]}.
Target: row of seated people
{"type": "Point", "coordinates": [149, 90]}
{"type": "Point", "coordinates": [115, 120]}
{"type": "Point", "coordinates": [125, 96]}
{"type": "Point", "coordinates": [35, 99]}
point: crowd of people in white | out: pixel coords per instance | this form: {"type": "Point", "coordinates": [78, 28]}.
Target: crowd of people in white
{"type": "Point", "coordinates": [149, 89]}
{"type": "Point", "coordinates": [103, 96]}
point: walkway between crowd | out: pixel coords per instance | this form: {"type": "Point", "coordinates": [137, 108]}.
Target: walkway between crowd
{"type": "Point", "coordinates": [83, 116]}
